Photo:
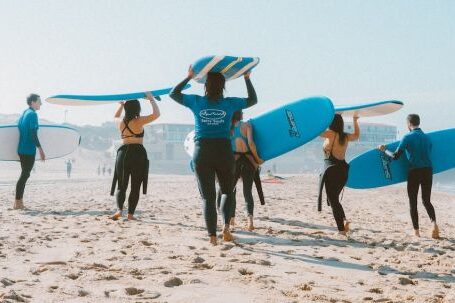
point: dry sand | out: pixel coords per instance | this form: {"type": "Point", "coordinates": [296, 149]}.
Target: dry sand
{"type": "Point", "coordinates": [65, 249]}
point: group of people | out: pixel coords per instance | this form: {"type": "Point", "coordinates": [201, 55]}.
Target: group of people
{"type": "Point", "coordinates": [225, 152]}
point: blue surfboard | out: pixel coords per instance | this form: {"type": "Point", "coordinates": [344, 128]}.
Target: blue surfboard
{"type": "Point", "coordinates": [375, 169]}
{"type": "Point", "coordinates": [371, 109]}
{"type": "Point", "coordinates": [290, 126]}
{"type": "Point", "coordinates": [104, 99]}
{"type": "Point", "coordinates": [285, 128]}
{"type": "Point", "coordinates": [231, 67]}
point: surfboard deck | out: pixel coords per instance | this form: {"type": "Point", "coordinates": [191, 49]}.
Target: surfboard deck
{"type": "Point", "coordinates": [372, 109]}
{"type": "Point", "coordinates": [286, 127]}
{"type": "Point", "coordinates": [56, 140]}
{"type": "Point", "coordinates": [231, 67]}
{"type": "Point", "coordinates": [375, 169]}
{"type": "Point", "coordinates": [76, 100]}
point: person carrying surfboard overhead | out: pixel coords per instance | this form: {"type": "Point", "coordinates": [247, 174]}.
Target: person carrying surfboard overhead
{"type": "Point", "coordinates": [131, 158]}
{"type": "Point", "coordinates": [213, 154]}
{"type": "Point", "coordinates": [417, 146]}
{"type": "Point", "coordinates": [247, 162]}
{"type": "Point", "coordinates": [28, 143]}
{"type": "Point", "coordinates": [336, 169]}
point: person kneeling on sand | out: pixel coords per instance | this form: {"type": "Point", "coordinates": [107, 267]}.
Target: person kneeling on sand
{"type": "Point", "coordinates": [417, 146]}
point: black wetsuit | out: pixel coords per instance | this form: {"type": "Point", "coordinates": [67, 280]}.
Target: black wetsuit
{"type": "Point", "coordinates": [28, 142]}
{"type": "Point", "coordinates": [418, 147]}
{"type": "Point", "coordinates": [213, 155]}
{"type": "Point", "coordinates": [131, 161]}
{"type": "Point", "coordinates": [27, 162]}
{"type": "Point", "coordinates": [334, 179]}
{"type": "Point", "coordinates": [245, 169]}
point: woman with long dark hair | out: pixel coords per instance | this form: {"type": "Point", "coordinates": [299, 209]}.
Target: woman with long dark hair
{"type": "Point", "coordinates": [213, 154]}
{"type": "Point", "coordinates": [247, 162]}
{"type": "Point", "coordinates": [336, 169]}
{"type": "Point", "coordinates": [131, 156]}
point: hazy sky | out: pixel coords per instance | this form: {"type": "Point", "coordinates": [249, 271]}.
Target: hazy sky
{"type": "Point", "coordinates": [350, 51]}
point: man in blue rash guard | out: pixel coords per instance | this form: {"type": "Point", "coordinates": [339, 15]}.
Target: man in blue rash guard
{"type": "Point", "coordinates": [28, 143]}
{"type": "Point", "coordinates": [417, 146]}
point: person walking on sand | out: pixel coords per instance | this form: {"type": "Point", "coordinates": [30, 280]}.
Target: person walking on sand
{"type": "Point", "coordinates": [417, 146]}
{"type": "Point", "coordinates": [69, 167]}
{"type": "Point", "coordinates": [213, 153]}
{"type": "Point", "coordinates": [247, 162]}
{"type": "Point", "coordinates": [336, 169]}
{"type": "Point", "coordinates": [28, 143]}
{"type": "Point", "coordinates": [131, 158]}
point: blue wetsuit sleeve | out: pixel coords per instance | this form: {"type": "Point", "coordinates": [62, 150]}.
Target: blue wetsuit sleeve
{"type": "Point", "coordinates": [176, 93]}
{"type": "Point", "coordinates": [34, 129]}
{"type": "Point", "coordinates": [252, 97]}
{"type": "Point", "coordinates": [400, 149]}
{"type": "Point", "coordinates": [35, 139]}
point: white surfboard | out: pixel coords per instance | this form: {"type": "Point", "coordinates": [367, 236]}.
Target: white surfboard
{"type": "Point", "coordinates": [369, 109]}
{"type": "Point", "coordinates": [188, 144]}
{"type": "Point", "coordinates": [56, 140]}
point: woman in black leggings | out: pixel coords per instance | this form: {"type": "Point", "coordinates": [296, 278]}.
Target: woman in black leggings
{"type": "Point", "coordinates": [131, 156]}
{"type": "Point", "coordinates": [247, 162]}
{"type": "Point", "coordinates": [336, 169]}
{"type": "Point", "coordinates": [213, 154]}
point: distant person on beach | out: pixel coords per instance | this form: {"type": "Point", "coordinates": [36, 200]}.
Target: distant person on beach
{"type": "Point", "coordinates": [213, 153]}
{"type": "Point", "coordinates": [417, 147]}
{"type": "Point", "coordinates": [247, 162]}
{"type": "Point", "coordinates": [104, 169]}
{"type": "Point", "coordinates": [336, 169]}
{"type": "Point", "coordinates": [109, 170]}
{"type": "Point", "coordinates": [69, 167]}
{"type": "Point", "coordinates": [99, 170]}
{"type": "Point", "coordinates": [28, 143]}
{"type": "Point", "coordinates": [131, 156]}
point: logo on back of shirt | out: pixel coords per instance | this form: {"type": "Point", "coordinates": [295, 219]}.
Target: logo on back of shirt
{"type": "Point", "coordinates": [212, 116]}
{"type": "Point", "coordinates": [293, 131]}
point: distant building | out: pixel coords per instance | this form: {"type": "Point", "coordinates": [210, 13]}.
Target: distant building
{"type": "Point", "coordinates": [164, 142]}
{"type": "Point", "coordinates": [309, 158]}
{"type": "Point", "coordinates": [376, 133]}
{"type": "Point", "coordinates": [164, 145]}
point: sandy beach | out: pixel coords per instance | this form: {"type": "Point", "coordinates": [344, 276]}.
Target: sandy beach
{"type": "Point", "coordinates": [63, 248]}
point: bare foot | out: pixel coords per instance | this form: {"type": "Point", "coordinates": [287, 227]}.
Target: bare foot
{"type": "Point", "coordinates": [131, 217]}
{"type": "Point", "coordinates": [435, 232]}
{"type": "Point", "coordinates": [213, 240]}
{"type": "Point", "coordinates": [18, 204]}
{"type": "Point", "coordinates": [342, 232]}
{"type": "Point", "coordinates": [250, 225]}
{"type": "Point", "coordinates": [232, 222]}
{"type": "Point", "coordinates": [116, 216]}
{"type": "Point", "coordinates": [417, 233]}
{"type": "Point", "coordinates": [227, 236]}
{"type": "Point", "coordinates": [346, 226]}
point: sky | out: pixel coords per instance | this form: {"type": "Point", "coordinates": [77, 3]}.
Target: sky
{"type": "Point", "coordinates": [350, 51]}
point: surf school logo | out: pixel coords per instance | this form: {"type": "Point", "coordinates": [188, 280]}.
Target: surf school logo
{"type": "Point", "coordinates": [212, 114]}
{"type": "Point", "coordinates": [385, 160]}
{"type": "Point", "coordinates": [293, 131]}
{"type": "Point", "coordinates": [212, 117]}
